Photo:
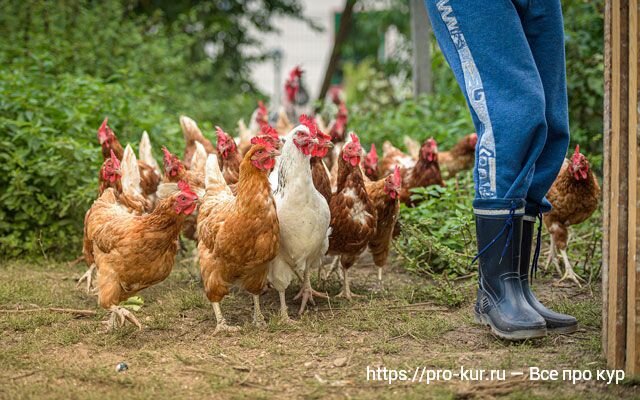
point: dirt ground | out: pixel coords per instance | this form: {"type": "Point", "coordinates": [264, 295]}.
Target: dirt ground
{"type": "Point", "coordinates": [48, 354]}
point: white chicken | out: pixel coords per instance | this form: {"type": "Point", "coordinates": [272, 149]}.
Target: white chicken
{"type": "Point", "coordinates": [303, 214]}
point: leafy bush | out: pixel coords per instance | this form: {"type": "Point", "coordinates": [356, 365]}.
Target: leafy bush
{"type": "Point", "coordinates": [49, 155]}
{"type": "Point", "coordinates": [584, 35]}
{"type": "Point", "coordinates": [437, 235]}
{"type": "Point", "coordinates": [67, 65]}
{"type": "Point", "coordinates": [440, 116]}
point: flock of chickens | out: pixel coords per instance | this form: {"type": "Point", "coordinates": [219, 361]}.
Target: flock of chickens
{"type": "Point", "coordinates": [263, 208]}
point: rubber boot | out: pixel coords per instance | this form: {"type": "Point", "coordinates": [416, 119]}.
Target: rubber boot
{"type": "Point", "coordinates": [556, 322]}
{"type": "Point", "coordinates": [501, 303]}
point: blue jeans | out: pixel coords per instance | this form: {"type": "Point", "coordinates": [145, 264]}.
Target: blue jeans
{"type": "Point", "coordinates": [508, 58]}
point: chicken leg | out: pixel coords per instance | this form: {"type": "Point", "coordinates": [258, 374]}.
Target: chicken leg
{"type": "Point", "coordinates": [346, 289]}
{"type": "Point", "coordinates": [221, 323]}
{"type": "Point", "coordinates": [568, 270]}
{"type": "Point", "coordinates": [118, 317]}
{"type": "Point", "coordinates": [334, 268]}
{"type": "Point", "coordinates": [379, 287]}
{"type": "Point", "coordinates": [258, 318]}
{"type": "Point", "coordinates": [552, 255]}
{"type": "Point", "coordinates": [88, 276]}
{"type": "Point", "coordinates": [284, 310]}
{"type": "Point", "coordinates": [307, 292]}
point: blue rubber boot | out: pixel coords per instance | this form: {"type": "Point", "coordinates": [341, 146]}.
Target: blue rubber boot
{"type": "Point", "coordinates": [501, 303]}
{"type": "Point", "coordinates": [556, 322]}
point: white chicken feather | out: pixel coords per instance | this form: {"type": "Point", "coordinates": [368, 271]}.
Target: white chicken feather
{"type": "Point", "coordinates": [304, 217]}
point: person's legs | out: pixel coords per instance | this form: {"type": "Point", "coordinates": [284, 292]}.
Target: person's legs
{"type": "Point", "coordinates": [543, 28]}
{"type": "Point", "coordinates": [485, 44]}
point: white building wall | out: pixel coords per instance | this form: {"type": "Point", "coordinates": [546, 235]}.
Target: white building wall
{"type": "Point", "coordinates": [301, 45]}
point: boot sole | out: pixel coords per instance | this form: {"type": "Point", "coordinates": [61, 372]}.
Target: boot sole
{"type": "Point", "coordinates": [513, 336]}
{"type": "Point", "coordinates": [563, 329]}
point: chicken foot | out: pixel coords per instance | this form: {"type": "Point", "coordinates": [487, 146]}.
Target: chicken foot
{"type": "Point", "coordinates": [335, 267]}
{"type": "Point", "coordinates": [379, 287]}
{"type": "Point", "coordinates": [221, 323]}
{"type": "Point", "coordinates": [284, 310]}
{"type": "Point", "coordinates": [258, 318]}
{"type": "Point", "coordinates": [346, 288]}
{"type": "Point", "coordinates": [119, 315]}
{"type": "Point", "coordinates": [568, 270]}
{"type": "Point", "coordinates": [88, 276]}
{"type": "Point", "coordinates": [307, 292]}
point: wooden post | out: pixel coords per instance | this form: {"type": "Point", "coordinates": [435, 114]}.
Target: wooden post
{"type": "Point", "coordinates": [633, 265]}
{"type": "Point", "coordinates": [420, 27]}
{"type": "Point", "coordinates": [621, 317]}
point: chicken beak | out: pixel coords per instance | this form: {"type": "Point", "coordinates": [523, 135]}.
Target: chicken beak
{"type": "Point", "coordinates": [275, 153]}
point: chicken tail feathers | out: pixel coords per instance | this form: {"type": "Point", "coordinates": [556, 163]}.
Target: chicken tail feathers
{"type": "Point", "coordinates": [130, 172]}
{"type": "Point", "coordinates": [145, 154]}
{"type": "Point", "coordinates": [199, 159]}
{"type": "Point", "coordinates": [214, 180]}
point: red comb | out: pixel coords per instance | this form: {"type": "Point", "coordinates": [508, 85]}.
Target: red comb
{"type": "Point", "coordinates": [269, 130]}
{"type": "Point", "coordinates": [104, 123]}
{"type": "Point", "coordinates": [262, 141]}
{"type": "Point", "coordinates": [309, 123]}
{"type": "Point", "coordinates": [220, 132]}
{"type": "Point", "coordinates": [397, 178]}
{"type": "Point", "coordinates": [354, 138]}
{"type": "Point", "coordinates": [577, 149]}
{"type": "Point", "coordinates": [184, 187]}
{"type": "Point", "coordinates": [114, 160]}
{"type": "Point", "coordinates": [262, 107]}
{"type": "Point", "coordinates": [296, 72]}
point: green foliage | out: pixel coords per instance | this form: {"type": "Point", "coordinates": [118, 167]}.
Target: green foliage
{"type": "Point", "coordinates": [437, 234]}
{"type": "Point", "coordinates": [584, 34]}
{"type": "Point", "coordinates": [68, 64]}
{"type": "Point", "coordinates": [50, 157]}
{"type": "Point", "coordinates": [439, 116]}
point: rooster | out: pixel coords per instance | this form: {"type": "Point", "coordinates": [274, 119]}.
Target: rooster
{"type": "Point", "coordinates": [229, 157]}
{"type": "Point", "coordinates": [133, 252]}
{"type": "Point", "coordinates": [149, 179]}
{"type": "Point", "coordinates": [425, 172]}
{"type": "Point", "coordinates": [461, 157]}
{"type": "Point", "coordinates": [192, 136]}
{"type": "Point", "coordinates": [303, 213]}
{"type": "Point", "coordinates": [574, 196]}
{"type": "Point", "coordinates": [353, 215]}
{"type": "Point", "coordinates": [384, 195]}
{"type": "Point", "coordinates": [370, 164]}
{"type": "Point", "coordinates": [296, 97]}
{"type": "Point", "coordinates": [238, 235]}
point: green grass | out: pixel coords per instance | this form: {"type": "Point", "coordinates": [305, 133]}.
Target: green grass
{"type": "Point", "coordinates": [415, 322]}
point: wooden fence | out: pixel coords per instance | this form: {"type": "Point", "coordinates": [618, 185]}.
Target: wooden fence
{"type": "Point", "coordinates": [621, 223]}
